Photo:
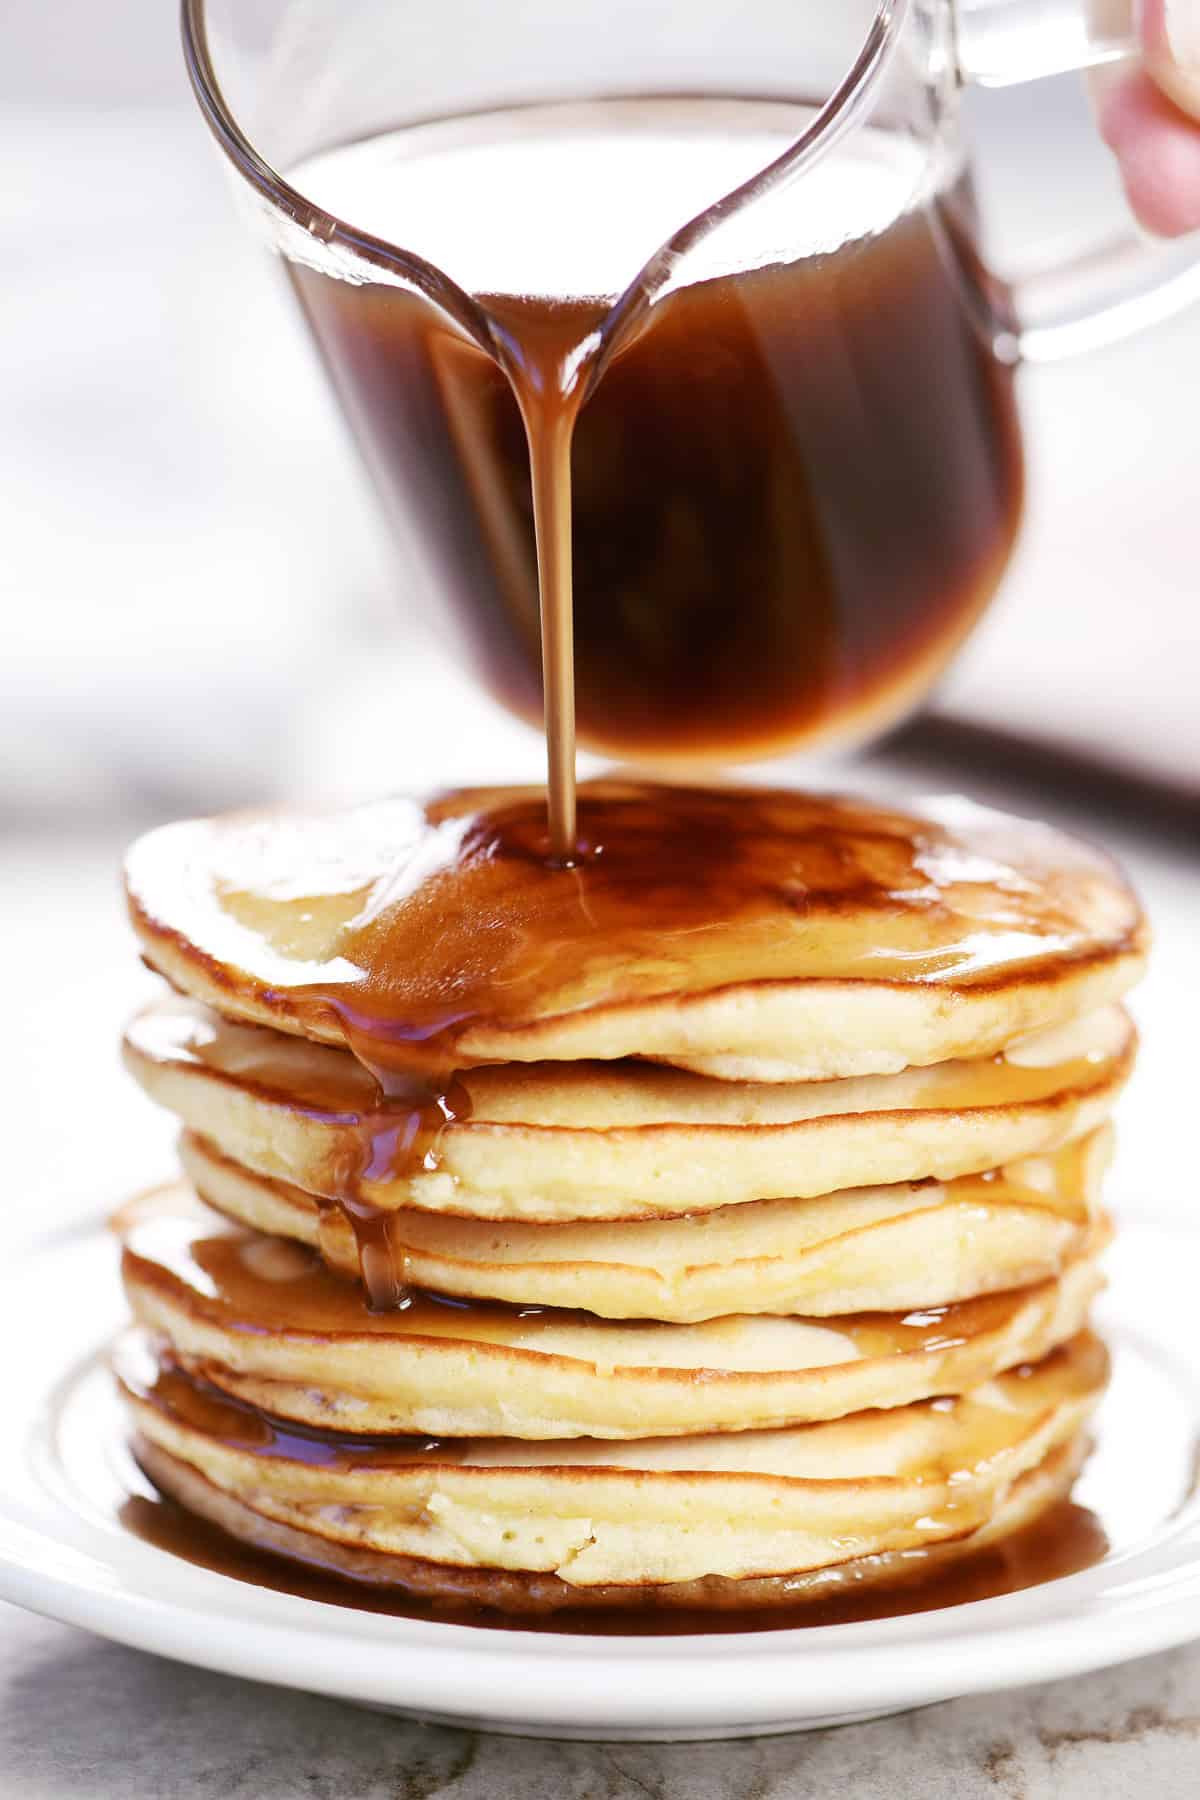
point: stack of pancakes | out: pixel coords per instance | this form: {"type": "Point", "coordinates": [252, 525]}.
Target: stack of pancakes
{"type": "Point", "coordinates": [710, 1222]}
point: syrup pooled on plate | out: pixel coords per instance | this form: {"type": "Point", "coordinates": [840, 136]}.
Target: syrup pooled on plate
{"type": "Point", "coordinates": [1063, 1541]}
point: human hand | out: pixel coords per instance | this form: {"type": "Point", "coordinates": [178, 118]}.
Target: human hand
{"type": "Point", "coordinates": [1149, 116]}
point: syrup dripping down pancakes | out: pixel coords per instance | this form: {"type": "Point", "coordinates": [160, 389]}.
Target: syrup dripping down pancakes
{"type": "Point", "coordinates": [675, 1229]}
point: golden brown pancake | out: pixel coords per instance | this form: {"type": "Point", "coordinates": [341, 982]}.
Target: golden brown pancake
{"type": "Point", "coordinates": [556, 1141]}
{"type": "Point", "coordinates": [882, 1249]}
{"type": "Point", "coordinates": [647, 1512]}
{"type": "Point", "coordinates": [267, 1322]}
{"type": "Point", "coordinates": [833, 936]}
{"type": "Point", "coordinates": [521, 1594]}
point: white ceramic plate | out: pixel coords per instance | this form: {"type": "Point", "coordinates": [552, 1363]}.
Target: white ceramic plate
{"type": "Point", "coordinates": [64, 1552]}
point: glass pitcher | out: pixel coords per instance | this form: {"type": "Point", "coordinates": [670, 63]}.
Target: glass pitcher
{"type": "Point", "coordinates": [749, 229]}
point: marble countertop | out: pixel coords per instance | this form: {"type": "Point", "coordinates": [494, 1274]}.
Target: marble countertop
{"type": "Point", "coordinates": [83, 1718]}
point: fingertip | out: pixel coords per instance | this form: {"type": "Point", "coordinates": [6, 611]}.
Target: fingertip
{"type": "Point", "coordinates": [1158, 150]}
{"type": "Point", "coordinates": [1170, 34]}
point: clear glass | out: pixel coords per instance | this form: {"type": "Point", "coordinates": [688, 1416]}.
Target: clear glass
{"type": "Point", "coordinates": [797, 465]}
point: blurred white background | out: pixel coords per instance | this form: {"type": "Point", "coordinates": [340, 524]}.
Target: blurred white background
{"type": "Point", "coordinates": [198, 607]}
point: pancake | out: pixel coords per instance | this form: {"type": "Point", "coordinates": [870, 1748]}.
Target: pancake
{"type": "Point", "coordinates": [516, 1594]}
{"type": "Point", "coordinates": [266, 1322]}
{"type": "Point", "coordinates": [1031, 1046]}
{"type": "Point", "coordinates": [628, 1140]}
{"type": "Point", "coordinates": [882, 1249]}
{"type": "Point", "coordinates": [828, 935]}
{"type": "Point", "coordinates": [647, 1512]}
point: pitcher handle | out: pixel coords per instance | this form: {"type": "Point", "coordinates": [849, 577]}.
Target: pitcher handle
{"type": "Point", "coordinates": [1128, 282]}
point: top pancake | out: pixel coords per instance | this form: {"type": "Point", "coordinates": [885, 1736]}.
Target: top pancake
{"type": "Point", "coordinates": [826, 935]}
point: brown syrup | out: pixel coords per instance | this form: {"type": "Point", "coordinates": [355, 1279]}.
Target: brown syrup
{"type": "Point", "coordinates": [158, 1379]}
{"type": "Point", "coordinates": [218, 1275]}
{"type": "Point", "coordinates": [397, 1138]}
{"type": "Point", "coordinates": [1066, 1539]}
{"type": "Point", "coordinates": [390, 1121]}
{"type": "Point", "coordinates": [540, 354]}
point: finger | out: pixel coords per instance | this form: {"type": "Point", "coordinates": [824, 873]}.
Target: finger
{"type": "Point", "coordinates": [1157, 146]}
{"type": "Point", "coordinates": [1171, 38]}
